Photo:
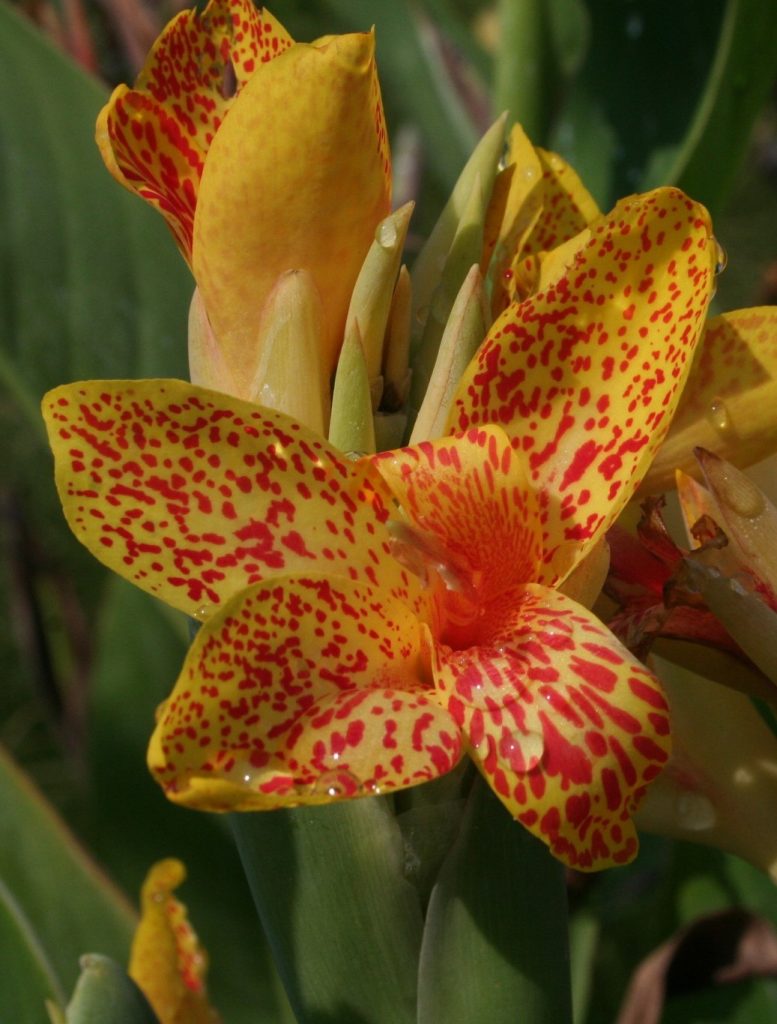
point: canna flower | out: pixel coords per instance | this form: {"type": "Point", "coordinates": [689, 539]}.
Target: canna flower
{"type": "Point", "coordinates": [365, 623]}
{"type": "Point", "coordinates": [264, 156]}
{"type": "Point", "coordinates": [167, 961]}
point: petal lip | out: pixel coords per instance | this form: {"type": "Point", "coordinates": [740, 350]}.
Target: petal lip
{"type": "Point", "coordinates": [566, 726]}
{"type": "Point", "coordinates": [586, 375]}
{"type": "Point", "coordinates": [302, 690]}
{"type": "Point", "coordinates": [469, 503]}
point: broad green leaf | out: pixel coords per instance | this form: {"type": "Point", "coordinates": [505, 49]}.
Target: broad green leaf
{"type": "Point", "coordinates": [640, 85]}
{"type": "Point", "coordinates": [71, 907]}
{"type": "Point", "coordinates": [344, 923]}
{"type": "Point", "coordinates": [740, 78]}
{"type": "Point", "coordinates": [28, 977]}
{"type": "Point", "coordinates": [495, 937]}
{"type": "Point", "coordinates": [92, 284]}
{"type": "Point", "coordinates": [140, 647]}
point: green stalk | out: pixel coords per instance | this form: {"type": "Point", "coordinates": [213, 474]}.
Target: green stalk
{"type": "Point", "coordinates": [343, 922]}
{"type": "Point", "coordinates": [495, 943]}
{"type": "Point", "coordinates": [524, 79]}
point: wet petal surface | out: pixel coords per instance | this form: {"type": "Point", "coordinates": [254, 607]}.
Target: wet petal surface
{"type": "Point", "coordinates": [302, 690]}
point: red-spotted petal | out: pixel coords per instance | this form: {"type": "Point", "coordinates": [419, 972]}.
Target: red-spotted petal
{"type": "Point", "coordinates": [585, 375]}
{"type": "Point", "coordinates": [154, 138]}
{"type": "Point", "coordinates": [302, 690]}
{"type": "Point", "coordinates": [565, 725]}
{"type": "Point", "coordinates": [469, 507]}
{"type": "Point", "coordinates": [192, 495]}
{"type": "Point", "coordinates": [729, 405]}
{"type": "Point", "coordinates": [167, 960]}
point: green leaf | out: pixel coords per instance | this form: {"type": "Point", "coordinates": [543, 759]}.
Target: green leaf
{"type": "Point", "coordinates": [28, 977]}
{"type": "Point", "coordinates": [525, 81]}
{"type": "Point", "coordinates": [69, 904]}
{"type": "Point", "coordinates": [344, 923]}
{"type": "Point", "coordinates": [495, 938]}
{"type": "Point", "coordinates": [741, 75]}
{"type": "Point", "coordinates": [105, 994]}
{"type": "Point", "coordinates": [92, 284]}
{"type": "Point", "coordinates": [640, 86]}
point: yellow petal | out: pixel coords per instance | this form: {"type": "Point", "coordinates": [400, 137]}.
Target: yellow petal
{"type": "Point", "coordinates": [302, 690]}
{"type": "Point", "coordinates": [192, 495]}
{"type": "Point", "coordinates": [729, 405]}
{"type": "Point", "coordinates": [167, 961]}
{"type": "Point", "coordinates": [297, 178]}
{"type": "Point", "coordinates": [721, 780]}
{"type": "Point", "coordinates": [154, 138]}
{"type": "Point", "coordinates": [585, 376]}
{"type": "Point", "coordinates": [538, 203]}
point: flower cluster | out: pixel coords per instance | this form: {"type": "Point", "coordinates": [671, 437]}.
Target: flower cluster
{"type": "Point", "coordinates": [367, 621]}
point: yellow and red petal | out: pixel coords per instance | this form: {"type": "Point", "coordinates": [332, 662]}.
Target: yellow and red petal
{"type": "Point", "coordinates": [538, 203]}
{"type": "Point", "coordinates": [469, 507]}
{"type": "Point", "coordinates": [567, 727]}
{"type": "Point", "coordinates": [154, 138]}
{"type": "Point", "coordinates": [585, 376]}
{"type": "Point", "coordinates": [298, 177]}
{"type": "Point", "coordinates": [302, 690]}
{"type": "Point", "coordinates": [729, 405]}
{"type": "Point", "coordinates": [167, 961]}
{"type": "Point", "coordinates": [193, 495]}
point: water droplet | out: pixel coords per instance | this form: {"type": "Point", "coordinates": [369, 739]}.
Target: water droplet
{"type": "Point", "coordinates": [721, 258]}
{"type": "Point", "coordinates": [386, 235]}
{"type": "Point", "coordinates": [354, 456]}
{"type": "Point", "coordinates": [720, 418]}
{"type": "Point", "coordinates": [335, 784]}
{"type": "Point", "coordinates": [695, 812]}
{"type": "Point", "coordinates": [202, 613]}
{"type": "Point", "coordinates": [522, 750]}
{"type": "Point", "coordinates": [529, 173]}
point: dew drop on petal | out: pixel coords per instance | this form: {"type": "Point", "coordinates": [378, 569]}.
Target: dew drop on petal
{"type": "Point", "coordinates": [695, 812]}
{"type": "Point", "coordinates": [386, 235]}
{"type": "Point", "coordinates": [528, 173]}
{"type": "Point", "coordinates": [336, 784]}
{"type": "Point", "coordinates": [202, 613]}
{"type": "Point", "coordinates": [721, 257]}
{"type": "Point", "coordinates": [523, 751]}
{"type": "Point", "coordinates": [720, 418]}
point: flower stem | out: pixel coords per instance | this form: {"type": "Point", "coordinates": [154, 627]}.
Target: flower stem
{"type": "Point", "coordinates": [495, 942]}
